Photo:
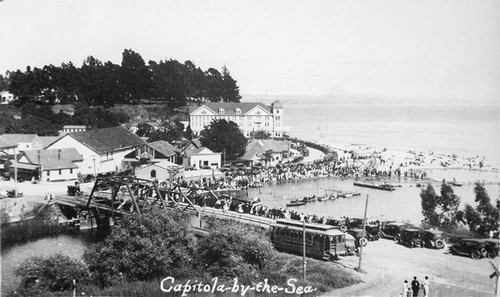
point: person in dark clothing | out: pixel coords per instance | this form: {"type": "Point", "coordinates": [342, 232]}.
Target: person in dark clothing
{"type": "Point", "coordinates": [415, 286]}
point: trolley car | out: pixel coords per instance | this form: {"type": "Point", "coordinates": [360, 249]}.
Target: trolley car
{"type": "Point", "coordinates": [323, 242]}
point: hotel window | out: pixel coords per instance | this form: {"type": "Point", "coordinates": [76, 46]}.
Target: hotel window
{"type": "Point", "coordinates": [221, 110]}
{"type": "Point", "coordinates": [238, 111]}
{"type": "Point", "coordinates": [60, 171]}
{"type": "Point", "coordinates": [48, 172]}
{"type": "Point", "coordinates": [71, 171]}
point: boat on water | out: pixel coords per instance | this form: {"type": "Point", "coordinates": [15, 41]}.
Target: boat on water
{"type": "Point", "coordinates": [323, 198]}
{"type": "Point", "coordinates": [350, 194]}
{"type": "Point", "coordinates": [309, 199]}
{"type": "Point", "coordinates": [385, 187]}
{"type": "Point", "coordinates": [296, 202]}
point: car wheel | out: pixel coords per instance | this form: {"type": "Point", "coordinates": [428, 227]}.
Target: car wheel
{"type": "Point", "coordinates": [417, 243]}
{"type": "Point", "coordinates": [439, 244]}
{"type": "Point", "coordinates": [343, 228]}
{"type": "Point", "coordinates": [491, 255]}
{"type": "Point", "coordinates": [475, 255]}
{"type": "Point", "coordinates": [397, 239]}
{"type": "Point", "coordinates": [363, 241]}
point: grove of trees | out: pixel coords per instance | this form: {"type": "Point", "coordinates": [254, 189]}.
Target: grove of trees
{"type": "Point", "coordinates": [41, 120]}
{"type": "Point", "coordinates": [105, 84]}
{"type": "Point", "coordinates": [442, 210]}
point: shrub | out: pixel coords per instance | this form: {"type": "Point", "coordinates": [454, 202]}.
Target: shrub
{"type": "Point", "coordinates": [142, 248]}
{"type": "Point", "coordinates": [52, 274]}
{"type": "Point", "coordinates": [234, 250]}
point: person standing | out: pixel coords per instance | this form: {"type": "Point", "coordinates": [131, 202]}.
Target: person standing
{"type": "Point", "coordinates": [406, 288]}
{"type": "Point", "coordinates": [426, 285]}
{"type": "Point", "coordinates": [415, 286]}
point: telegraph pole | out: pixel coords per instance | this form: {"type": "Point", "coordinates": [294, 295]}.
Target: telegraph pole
{"type": "Point", "coordinates": [304, 246]}
{"type": "Point", "coordinates": [362, 237]}
{"type": "Point", "coordinates": [15, 173]}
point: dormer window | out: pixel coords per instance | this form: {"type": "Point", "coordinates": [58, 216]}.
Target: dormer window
{"type": "Point", "coordinates": [221, 110]}
{"type": "Point", "coordinates": [238, 111]}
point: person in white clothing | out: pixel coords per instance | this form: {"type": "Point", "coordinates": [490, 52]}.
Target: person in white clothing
{"type": "Point", "coordinates": [426, 285]}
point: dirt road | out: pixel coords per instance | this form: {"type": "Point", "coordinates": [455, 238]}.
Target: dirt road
{"type": "Point", "coordinates": [387, 264]}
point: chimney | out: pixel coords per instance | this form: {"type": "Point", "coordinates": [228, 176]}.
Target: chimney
{"type": "Point", "coordinates": [59, 154]}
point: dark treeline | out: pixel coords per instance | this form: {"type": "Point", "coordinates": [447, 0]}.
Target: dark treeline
{"type": "Point", "coordinates": [106, 84]}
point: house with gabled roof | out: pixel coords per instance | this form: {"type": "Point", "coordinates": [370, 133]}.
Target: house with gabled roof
{"type": "Point", "coordinates": [154, 152]}
{"type": "Point", "coordinates": [201, 158]}
{"type": "Point", "coordinates": [160, 171]}
{"type": "Point", "coordinates": [249, 116]}
{"type": "Point", "coordinates": [267, 151]}
{"type": "Point", "coordinates": [49, 165]}
{"type": "Point", "coordinates": [25, 142]}
{"type": "Point", "coordinates": [7, 147]}
{"type": "Point", "coordinates": [103, 150]}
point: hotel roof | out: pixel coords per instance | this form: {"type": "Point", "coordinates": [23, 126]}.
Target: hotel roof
{"type": "Point", "coordinates": [230, 107]}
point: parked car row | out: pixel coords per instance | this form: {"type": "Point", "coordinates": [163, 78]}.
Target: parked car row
{"type": "Point", "coordinates": [408, 235]}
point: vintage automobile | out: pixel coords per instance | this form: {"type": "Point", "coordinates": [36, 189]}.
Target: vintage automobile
{"type": "Point", "coordinates": [411, 237]}
{"type": "Point", "coordinates": [433, 239]}
{"type": "Point", "coordinates": [13, 194]}
{"type": "Point", "coordinates": [474, 248]}
{"type": "Point", "coordinates": [492, 247]}
{"type": "Point", "coordinates": [373, 231]}
{"type": "Point", "coordinates": [393, 230]}
{"type": "Point", "coordinates": [341, 223]}
{"type": "Point", "coordinates": [358, 236]}
{"type": "Point", "coordinates": [351, 246]}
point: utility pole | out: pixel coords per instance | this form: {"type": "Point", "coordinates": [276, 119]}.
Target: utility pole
{"type": "Point", "coordinates": [362, 237]}
{"type": "Point", "coordinates": [304, 246]}
{"type": "Point", "coordinates": [15, 173]}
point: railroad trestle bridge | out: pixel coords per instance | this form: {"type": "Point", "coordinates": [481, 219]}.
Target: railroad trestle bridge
{"type": "Point", "coordinates": [114, 197]}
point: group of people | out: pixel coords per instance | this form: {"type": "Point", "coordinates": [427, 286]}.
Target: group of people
{"type": "Point", "coordinates": [299, 171]}
{"type": "Point", "coordinates": [411, 290]}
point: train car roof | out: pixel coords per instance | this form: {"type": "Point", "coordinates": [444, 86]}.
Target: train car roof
{"type": "Point", "coordinates": [329, 230]}
{"type": "Point", "coordinates": [308, 225]}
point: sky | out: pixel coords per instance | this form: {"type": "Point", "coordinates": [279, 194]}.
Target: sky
{"type": "Point", "coordinates": [394, 48]}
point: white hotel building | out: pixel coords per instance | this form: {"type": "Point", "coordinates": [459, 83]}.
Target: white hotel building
{"type": "Point", "coordinates": [250, 116]}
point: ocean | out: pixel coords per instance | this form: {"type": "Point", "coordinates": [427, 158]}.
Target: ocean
{"type": "Point", "coordinates": [462, 128]}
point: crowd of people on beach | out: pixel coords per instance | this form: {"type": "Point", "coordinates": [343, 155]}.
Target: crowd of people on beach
{"type": "Point", "coordinates": [256, 177]}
